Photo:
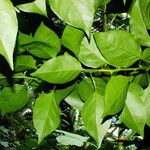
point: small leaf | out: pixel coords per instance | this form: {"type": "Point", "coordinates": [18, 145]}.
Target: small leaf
{"type": "Point", "coordinates": [60, 70]}
{"type": "Point", "coordinates": [92, 116]}
{"type": "Point", "coordinates": [116, 51]}
{"type": "Point", "coordinates": [146, 55]}
{"type": "Point", "coordinates": [115, 94]}
{"type": "Point", "coordinates": [134, 115]}
{"type": "Point", "coordinates": [46, 115]}
{"type": "Point", "coordinates": [72, 38]}
{"type": "Point", "coordinates": [38, 6]}
{"type": "Point", "coordinates": [13, 99]}
{"type": "Point", "coordinates": [24, 62]}
{"type": "Point", "coordinates": [71, 139]}
{"type": "Point", "coordinates": [89, 54]}
{"type": "Point", "coordinates": [8, 30]}
{"type": "Point", "coordinates": [79, 13]}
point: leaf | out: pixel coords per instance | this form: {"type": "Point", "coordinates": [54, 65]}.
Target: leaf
{"type": "Point", "coordinates": [92, 112]}
{"type": "Point", "coordinates": [71, 139]}
{"type": "Point", "coordinates": [86, 87]}
{"type": "Point", "coordinates": [72, 38]}
{"type": "Point", "coordinates": [13, 99]}
{"type": "Point", "coordinates": [46, 115]}
{"type": "Point", "coordinates": [137, 25]}
{"type": "Point", "coordinates": [79, 13]}
{"type": "Point", "coordinates": [24, 62]}
{"type": "Point", "coordinates": [146, 55]}
{"type": "Point", "coordinates": [115, 94]}
{"type": "Point", "coordinates": [134, 115]}
{"type": "Point", "coordinates": [117, 52]}
{"type": "Point", "coordinates": [60, 70]}
{"type": "Point", "coordinates": [74, 100]}
{"type": "Point", "coordinates": [89, 55]}
{"type": "Point", "coordinates": [38, 6]}
{"type": "Point", "coordinates": [146, 100]}
{"type": "Point", "coordinates": [8, 30]}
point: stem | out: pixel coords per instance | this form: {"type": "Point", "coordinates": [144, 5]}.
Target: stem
{"type": "Point", "coordinates": [105, 19]}
{"type": "Point", "coordinates": [114, 70]}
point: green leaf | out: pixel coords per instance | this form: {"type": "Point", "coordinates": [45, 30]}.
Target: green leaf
{"type": "Point", "coordinates": [71, 139]}
{"type": "Point", "coordinates": [38, 6]}
{"type": "Point", "coordinates": [146, 100]}
{"type": "Point", "coordinates": [8, 30]}
{"type": "Point", "coordinates": [89, 54]}
{"type": "Point", "coordinates": [74, 100]}
{"type": "Point", "coordinates": [116, 50]}
{"type": "Point", "coordinates": [115, 94]}
{"type": "Point", "coordinates": [24, 62]}
{"type": "Point", "coordinates": [137, 25]}
{"type": "Point", "coordinates": [45, 43]}
{"type": "Point", "coordinates": [72, 38]}
{"type": "Point", "coordinates": [134, 115]}
{"type": "Point", "coordinates": [60, 70]}
{"type": "Point", "coordinates": [13, 99]}
{"type": "Point", "coordinates": [92, 112]}
{"type": "Point", "coordinates": [79, 13]}
{"type": "Point", "coordinates": [146, 55]}
{"type": "Point", "coordinates": [46, 115]}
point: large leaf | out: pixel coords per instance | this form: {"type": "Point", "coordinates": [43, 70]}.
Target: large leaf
{"type": "Point", "coordinates": [146, 100]}
{"type": "Point", "coordinates": [71, 139]}
{"type": "Point", "coordinates": [89, 54]}
{"type": "Point", "coordinates": [115, 94]}
{"type": "Point", "coordinates": [92, 116]}
{"type": "Point", "coordinates": [134, 115]}
{"type": "Point", "coordinates": [8, 30]}
{"type": "Point", "coordinates": [12, 99]}
{"type": "Point", "coordinates": [137, 25]}
{"type": "Point", "coordinates": [45, 43]}
{"type": "Point", "coordinates": [72, 38]}
{"type": "Point", "coordinates": [46, 115]}
{"type": "Point", "coordinates": [38, 6]}
{"type": "Point", "coordinates": [146, 55]}
{"type": "Point", "coordinates": [79, 13]}
{"type": "Point", "coordinates": [118, 47]}
{"type": "Point", "coordinates": [61, 69]}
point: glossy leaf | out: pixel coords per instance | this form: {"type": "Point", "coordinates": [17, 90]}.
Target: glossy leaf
{"type": "Point", "coordinates": [13, 99]}
{"type": "Point", "coordinates": [38, 6]}
{"type": "Point", "coordinates": [92, 116]}
{"type": "Point", "coordinates": [24, 62]}
{"type": "Point", "coordinates": [137, 25]}
{"type": "Point", "coordinates": [46, 115]}
{"type": "Point", "coordinates": [116, 51]}
{"type": "Point", "coordinates": [8, 30]}
{"type": "Point", "coordinates": [79, 13]}
{"type": "Point", "coordinates": [115, 94]}
{"type": "Point", "coordinates": [89, 54]}
{"type": "Point", "coordinates": [134, 115]}
{"type": "Point", "coordinates": [72, 38]}
{"type": "Point", "coordinates": [71, 139]}
{"type": "Point", "coordinates": [146, 55]}
{"type": "Point", "coordinates": [60, 70]}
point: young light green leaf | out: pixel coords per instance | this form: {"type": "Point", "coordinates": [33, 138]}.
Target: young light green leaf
{"type": "Point", "coordinates": [46, 115]}
{"type": "Point", "coordinates": [92, 112]}
{"type": "Point", "coordinates": [115, 94]}
{"type": "Point", "coordinates": [116, 51]}
{"type": "Point", "coordinates": [137, 25]}
{"type": "Point", "coordinates": [71, 139]}
{"type": "Point", "coordinates": [146, 55]}
{"type": "Point", "coordinates": [72, 38]}
{"type": "Point", "coordinates": [38, 6]}
{"type": "Point", "coordinates": [60, 70]}
{"type": "Point", "coordinates": [89, 54]}
{"type": "Point", "coordinates": [24, 62]}
{"type": "Point", "coordinates": [79, 13]}
{"type": "Point", "coordinates": [134, 115]}
{"type": "Point", "coordinates": [8, 30]}
{"type": "Point", "coordinates": [13, 99]}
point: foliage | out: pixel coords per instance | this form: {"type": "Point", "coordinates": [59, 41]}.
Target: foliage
{"type": "Point", "coordinates": [74, 74]}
